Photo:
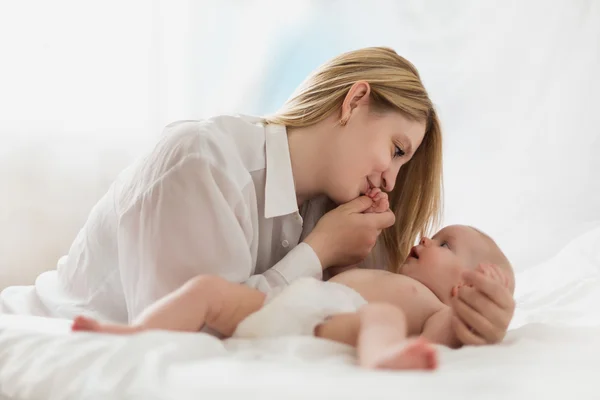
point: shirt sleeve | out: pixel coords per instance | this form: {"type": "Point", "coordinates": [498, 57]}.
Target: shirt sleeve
{"type": "Point", "coordinates": [194, 220]}
{"type": "Point", "coordinates": [301, 261]}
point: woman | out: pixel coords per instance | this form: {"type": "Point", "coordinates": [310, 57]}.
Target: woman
{"type": "Point", "coordinates": [249, 199]}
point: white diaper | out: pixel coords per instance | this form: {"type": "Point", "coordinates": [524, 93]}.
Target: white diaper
{"type": "Point", "coordinates": [299, 308]}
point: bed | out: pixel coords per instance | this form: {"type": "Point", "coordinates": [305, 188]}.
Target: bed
{"type": "Point", "coordinates": [551, 351]}
{"type": "Point", "coordinates": [517, 89]}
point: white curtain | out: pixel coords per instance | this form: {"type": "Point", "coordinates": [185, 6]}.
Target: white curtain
{"type": "Point", "coordinates": [86, 86]}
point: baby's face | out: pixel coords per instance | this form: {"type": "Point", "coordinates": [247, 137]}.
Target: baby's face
{"type": "Point", "coordinates": [439, 262]}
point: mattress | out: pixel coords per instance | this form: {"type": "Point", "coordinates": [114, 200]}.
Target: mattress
{"type": "Point", "coordinates": [551, 351]}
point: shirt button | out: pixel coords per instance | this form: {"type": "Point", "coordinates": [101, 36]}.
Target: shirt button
{"type": "Point", "coordinates": [285, 243]}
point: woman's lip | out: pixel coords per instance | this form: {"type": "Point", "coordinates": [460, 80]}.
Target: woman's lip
{"type": "Point", "coordinates": [369, 185]}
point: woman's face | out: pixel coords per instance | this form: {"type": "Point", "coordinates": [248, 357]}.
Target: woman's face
{"type": "Point", "coordinates": [368, 151]}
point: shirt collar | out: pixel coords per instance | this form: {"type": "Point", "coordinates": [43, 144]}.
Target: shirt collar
{"type": "Point", "coordinates": [280, 192]}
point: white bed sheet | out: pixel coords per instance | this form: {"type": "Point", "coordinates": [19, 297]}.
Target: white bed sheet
{"type": "Point", "coordinates": [551, 351]}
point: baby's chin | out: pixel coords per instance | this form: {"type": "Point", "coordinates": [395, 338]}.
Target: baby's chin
{"type": "Point", "coordinates": [410, 260]}
{"type": "Point", "coordinates": [408, 265]}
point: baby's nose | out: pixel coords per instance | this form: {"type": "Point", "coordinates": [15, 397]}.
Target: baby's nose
{"type": "Point", "coordinates": [425, 241]}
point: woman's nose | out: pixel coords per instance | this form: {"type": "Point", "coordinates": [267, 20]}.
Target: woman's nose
{"type": "Point", "coordinates": [388, 178]}
{"type": "Point", "coordinates": [388, 184]}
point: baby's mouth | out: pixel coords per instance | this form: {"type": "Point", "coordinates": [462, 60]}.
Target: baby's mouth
{"type": "Point", "coordinates": [413, 253]}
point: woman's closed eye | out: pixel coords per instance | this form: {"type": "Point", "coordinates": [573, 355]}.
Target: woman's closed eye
{"type": "Point", "coordinates": [398, 152]}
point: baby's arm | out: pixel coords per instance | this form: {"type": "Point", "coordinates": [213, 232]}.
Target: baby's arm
{"type": "Point", "coordinates": [204, 300]}
{"type": "Point", "coordinates": [379, 333]}
{"type": "Point", "coordinates": [438, 329]}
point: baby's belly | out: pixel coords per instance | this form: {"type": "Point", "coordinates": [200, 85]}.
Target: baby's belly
{"type": "Point", "coordinates": [416, 300]}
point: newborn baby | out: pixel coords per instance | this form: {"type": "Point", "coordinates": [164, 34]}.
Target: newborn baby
{"type": "Point", "coordinates": [391, 319]}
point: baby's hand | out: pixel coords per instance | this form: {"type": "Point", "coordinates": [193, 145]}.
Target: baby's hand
{"type": "Point", "coordinates": [380, 201]}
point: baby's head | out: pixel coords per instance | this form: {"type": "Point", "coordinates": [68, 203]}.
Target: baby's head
{"type": "Point", "coordinates": [439, 262]}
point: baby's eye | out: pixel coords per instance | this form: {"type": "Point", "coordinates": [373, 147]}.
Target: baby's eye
{"type": "Point", "coordinates": [445, 244]}
{"type": "Point", "coordinates": [399, 152]}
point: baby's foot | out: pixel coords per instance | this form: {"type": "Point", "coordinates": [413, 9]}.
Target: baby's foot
{"type": "Point", "coordinates": [91, 325]}
{"type": "Point", "coordinates": [372, 192]}
{"type": "Point", "coordinates": [411, 354]}
{"type": "Point", "coordinates": [380, 201]}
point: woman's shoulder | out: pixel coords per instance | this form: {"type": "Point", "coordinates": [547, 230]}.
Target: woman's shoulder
{"type": "Point", "coordinates": [225, 123]}
{"type": "Point", "coordinates": [228, 143]}
{"type": "Point", "coordinates": [188, 149]}
{"type": "Point", "coordinates": [212, 136]}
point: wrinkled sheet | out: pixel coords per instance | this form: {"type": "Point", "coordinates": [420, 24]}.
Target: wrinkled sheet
{"type": "Point", "coordinates": [535, 361]}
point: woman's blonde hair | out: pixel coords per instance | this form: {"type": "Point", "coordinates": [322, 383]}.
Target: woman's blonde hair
{"type": "Point", "coordinates": [395, 86]}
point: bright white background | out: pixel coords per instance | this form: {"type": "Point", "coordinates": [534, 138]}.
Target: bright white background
{"type": "Point", "coordinates": [85, 87]}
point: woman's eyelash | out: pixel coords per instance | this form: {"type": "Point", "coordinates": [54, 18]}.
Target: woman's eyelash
{"type": "Point", "coordinates": [399, 152]}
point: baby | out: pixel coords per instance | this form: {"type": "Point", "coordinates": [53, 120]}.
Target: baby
{"type": "Point", "coordinates": [391, 319]}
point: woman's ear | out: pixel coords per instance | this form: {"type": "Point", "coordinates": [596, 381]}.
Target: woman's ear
{"type": "Point", "coordinates": [358, 95]}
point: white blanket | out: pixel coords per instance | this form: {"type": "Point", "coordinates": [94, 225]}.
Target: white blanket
{"type": "Point", "coordinates": [552, 351]}
{"type": "Point", "coordinates": [535, 361]}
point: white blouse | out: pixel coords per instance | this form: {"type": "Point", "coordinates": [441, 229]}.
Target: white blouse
{"type": "Point", "coordinates": [212, 197]}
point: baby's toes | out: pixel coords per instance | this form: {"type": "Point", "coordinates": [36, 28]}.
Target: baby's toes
{"type": "Point", "coordinates": [382, 205]}
{"type": "Point", "coordinates": [374, 192]}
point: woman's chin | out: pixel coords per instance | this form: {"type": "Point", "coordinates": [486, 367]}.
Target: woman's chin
{"type": "Point", "coordinates": [339, 200]}
{"type": "Point", "coordinates": [342, 197]}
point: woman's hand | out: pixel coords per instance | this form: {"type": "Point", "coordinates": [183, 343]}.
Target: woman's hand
{"type": "Point", "coordinates": [347, 234]}
{"type": "Point", "coordinates": [483, 307]}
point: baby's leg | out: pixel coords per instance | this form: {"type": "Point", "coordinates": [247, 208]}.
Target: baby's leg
{"type": "Point", "coordinates": [383, 342]}
{"type": "Point", "coordinates": [379, 333]}
{"type": "Point", "coordinates": [82, 323]}
{"type": "Point", "coordinates": [209, 300]}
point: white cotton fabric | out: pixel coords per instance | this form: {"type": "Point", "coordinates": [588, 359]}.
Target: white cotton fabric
{"type": "Point", "coordinates": [299, 308]}
{"type": "Point", "coordinates": [213, 197]}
